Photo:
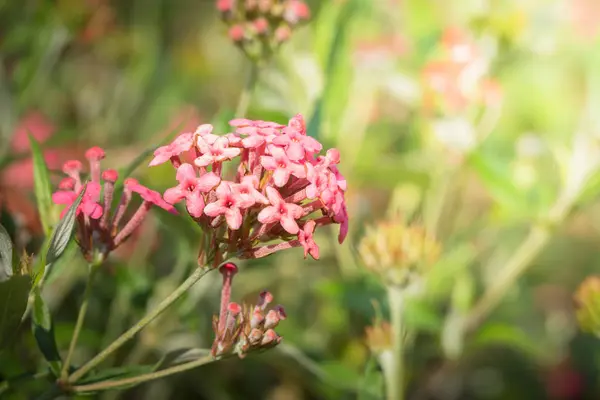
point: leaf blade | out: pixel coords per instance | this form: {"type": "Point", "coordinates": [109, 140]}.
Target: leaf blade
{"type": "Point", "coordinates": [6, 254]}
{"type": "Point", "coordinates": [43, 332]}
{"type": "Point", "coordinates": [14, 293]}
{"type": "Point", "coordinates": [42, 186]}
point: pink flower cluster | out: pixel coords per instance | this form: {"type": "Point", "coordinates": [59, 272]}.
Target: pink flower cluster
{"type": "Point", "coordinates": [97, 230]}
{"type": "Point", "coordinates": [263, 181]}
{"type": "Point", "coordinates": [270, 21]}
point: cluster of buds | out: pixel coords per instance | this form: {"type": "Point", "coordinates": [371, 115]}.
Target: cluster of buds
{"type": "Point", "coordinates": [587, 301]}
{"type": "Point", "coordinates": [242, 329]}
{"type": "Point", "coordinates": [259, 27]}
{"type": "Point", "coordinates": [459, 78]}
{"type": "Point", "coordinates": [98, 231]}
{"type": "Point", "coordinates": [400, 254]}
{"type": "Point", "coordinates": [278, 192]}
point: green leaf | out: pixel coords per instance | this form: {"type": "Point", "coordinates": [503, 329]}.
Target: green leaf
{"type": "Point", "coordinates": [510, 336]}
{"type": "Point", "coordinates": [43, 331]}
{"type": "Point", "coordinates": [64, 230]}
{"type": "Point", "coordinates": [43, 189]}
{"type": "Point", "coordinates": [14, 293]}
{"type": "Point", "coordinates": [58, 242]}
{"type": "Point", "coordinates": [6, 255]}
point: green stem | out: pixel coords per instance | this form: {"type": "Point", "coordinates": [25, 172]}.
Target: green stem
{"type": "Point", "coordinates": [113, 384]}
{"type": "Point", "coordinates": [538, 238]}
{"type": "Point", "coordinates": [395, 371]}
{"type": "Point", "coordinates": [246, 95]}
{"type": "Point", "coordinates": [80, 318]}
{"type": "Point", "coordinates": [125, 337]}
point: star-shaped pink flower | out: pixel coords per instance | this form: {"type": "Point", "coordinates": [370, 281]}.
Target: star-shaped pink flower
{"type": "Point", "coordinates": [280, 211]}
{"type": "Point", "coordinates": [217, 152]}
{"type": "Point", "coordinates": [305, 236]}
{"type": "Point", "coordinates": [247, 190]}
{"type": "Point", "coordinates": [191, 188]}
{"type": "Point", "coordinates": [297, 144]}
{"type": "Point", "coordinates": [281, 166]}
{"type": "Point", "coordinates": [229, 204]}
{"type": "Point", "coordinates": [180, 145]}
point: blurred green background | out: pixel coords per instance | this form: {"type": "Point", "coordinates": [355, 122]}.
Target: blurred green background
{"type": "Point", "coordinates": [477, 119]}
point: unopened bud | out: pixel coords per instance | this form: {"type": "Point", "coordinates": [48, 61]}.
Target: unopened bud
{"type": "Point", "coordinates": [257, 319]}
{"type": "Point", "coordinates": [272, 319]}
{"type": "Point", "coordinates": [255, 336]}
{"type": "Point", "coordinates": [261, 26]}
{"type": "Point", "coordinates": [269, 337]}
{"type": "Point", "coordinates": [283, 34]}
{"type": "Point", "coordinates": [264, 298]}
{"type": "Point", "coordinates": [236, 33]}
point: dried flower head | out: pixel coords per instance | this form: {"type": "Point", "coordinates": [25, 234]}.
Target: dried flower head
{"type": "Point", "coordinates": [263, 183]}
{"type": "Point", "coordinates": [587, 301]}
{"type": "Point", "coordinates": [259, 27]}
{"type": "Point", "coordinates": [242, 329]}
{"type": "Point", "coordinates": [98, 230]}
{"type": "Point", "coordinates": [397, 252]}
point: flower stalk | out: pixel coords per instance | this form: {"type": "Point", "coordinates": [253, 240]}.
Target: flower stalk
{"type": "Point", "coordinates": [248, 91]}
{"type": "Point", "coordinates": [117, 383]}
{"type": "Point", "coordinates": [93, 268]}
{"type": "Point", "coordinates": [394, 375]}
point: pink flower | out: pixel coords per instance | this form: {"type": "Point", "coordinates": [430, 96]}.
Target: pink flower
{"type": "Point", "coordinates": [296, 11]}
{"type": "Point", "coordinates": [256, 136]}
{"type": "Point", "coordinates": [191, 188]}
{"type": "Point", "coordinates": [342, 219]}
{"type": "Point", "coordinates": [281, 166]}
{"type": "Point", "coordinates": [318, 178]}
{"type": "Point", "coordinates": [224, 5]}
{"type": "Point", "coordinates": [305, 236]}
{"type": "Point", "coordinates": [229, 204]}
{"type": "Point", "coordinates": [149, 195]}
{"type": "Point", "coordinates": [89, 203]}
{"type": "Point", "coordinates": [280, 211]}
{"type": "Point", "coordinates": [180, 145]}
{"type": "Point", "coordinates": [297, 144]}
{"type": "Point", "coordinates": [217, 152]}
{"type": "Point", "coordinates": [246, 189]}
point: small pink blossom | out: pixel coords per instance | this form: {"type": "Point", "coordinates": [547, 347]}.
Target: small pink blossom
{"type": "Point", "coordinates": [191, 188]}
{"type": "Point", "coordinates": [280, 211]}
{"type": "Point", "coordinates": [297, 144]}
{"type": "Point", "coordinates": [229, 204]}
{"type": "Point", "coordinates": [246, 189]}
{"type": "Point", "coordinates": [180, 145]}
{"type": "Point", "coordinates": [305, 236]}
{"type": "Point", "coordinates": [281, 166]}
{"type": "Point", "coordinates": [219, 151]}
